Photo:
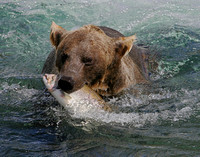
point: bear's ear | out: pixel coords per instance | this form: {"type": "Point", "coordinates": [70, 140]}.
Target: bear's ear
{"type": "Point", "coordinates": [123, 45]}
{"type": "Point", "coordinates": [56, 34]}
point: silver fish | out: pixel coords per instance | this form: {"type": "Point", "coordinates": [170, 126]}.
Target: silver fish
{"type": "Point", "coordinates": [85, 93]}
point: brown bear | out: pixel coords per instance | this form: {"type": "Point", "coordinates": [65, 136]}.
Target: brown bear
{"type": "Point", "coordinates": [97, 56]}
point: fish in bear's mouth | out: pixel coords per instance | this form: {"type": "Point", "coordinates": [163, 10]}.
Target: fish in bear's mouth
{"type": "Point", "coordinates": [50, 81]}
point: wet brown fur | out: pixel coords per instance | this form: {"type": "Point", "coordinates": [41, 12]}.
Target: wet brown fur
{"type": "Point", "coordinates": [112, 68]}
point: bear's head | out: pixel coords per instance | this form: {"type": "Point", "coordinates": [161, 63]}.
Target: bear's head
{"type": "Point", "coordinates": [87, 56]}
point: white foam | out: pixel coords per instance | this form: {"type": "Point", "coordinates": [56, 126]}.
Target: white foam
{"type": "Point", "coordinates": [22, 92]}
{"type": "Point", "coordinates": [88, 111]}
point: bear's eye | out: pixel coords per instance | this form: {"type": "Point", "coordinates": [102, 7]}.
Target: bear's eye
{"type": "Point", "coordinates": [87, 61]}
{"type": "Point", "coordinates": [64, 57]}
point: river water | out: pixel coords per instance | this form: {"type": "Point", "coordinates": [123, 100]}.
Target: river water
{"type": "Point", "coordinates": [160, 120]}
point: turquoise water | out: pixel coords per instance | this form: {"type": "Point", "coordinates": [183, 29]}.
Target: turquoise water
{"type": "Point", "coordinates": [161, 120]}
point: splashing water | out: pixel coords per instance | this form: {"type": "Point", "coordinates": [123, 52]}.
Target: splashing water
{"type": "Point", "coordinates": [157, 120]}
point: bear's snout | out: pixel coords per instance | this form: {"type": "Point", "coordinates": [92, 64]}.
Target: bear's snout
{"type": "Point", "coordinates": [66, 84]}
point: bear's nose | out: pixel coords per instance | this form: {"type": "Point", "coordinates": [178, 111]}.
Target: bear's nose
{"type": "Point", "coordinates": [66, 84]}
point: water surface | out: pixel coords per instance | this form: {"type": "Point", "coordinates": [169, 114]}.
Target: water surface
{"type": "Point", "coordinates": [161, 120]}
